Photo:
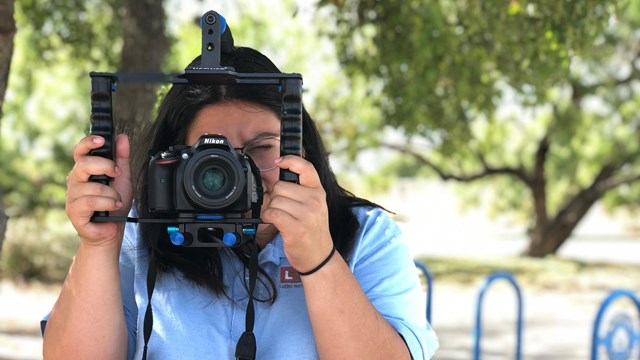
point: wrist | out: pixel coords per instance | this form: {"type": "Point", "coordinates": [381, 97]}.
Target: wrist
{"type": "Point", "coordinates": [106, 248]}
{"type": "Point", "coordinates": [321, 265]}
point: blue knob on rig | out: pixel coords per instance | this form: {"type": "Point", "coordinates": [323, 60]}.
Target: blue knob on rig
{"type": "Point", "coordinates": [230, 239]}
{"type": "Point", "coordinates": [177, 239]}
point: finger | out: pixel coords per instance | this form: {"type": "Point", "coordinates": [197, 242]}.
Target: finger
{"type": "Point", "coordinates": [123, 153]}
{"type": "Point", "coordinates": [85, 206]}
{"type": "Point", "coordinates": [288, 189]}
{"type": "Point", "coordinates": [92, 165]}
{"type": "Point", "coordinates": [298, 207]}
{"type": "Point", "coordinates": [288, 205]}
{"type": "Point", "coordinates": [313, 197]}
{"type": "Point", "coordinates": [84, 146]}
{"type": "Point", "coordinates": [308, 175]}
{"type": "Point", "coordinates": [278, 217]}
{"type": "Point", "coordinates": [91, 189]}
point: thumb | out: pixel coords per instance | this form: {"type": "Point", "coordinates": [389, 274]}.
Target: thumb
{"type": "Point", "coordinates": [122, 184]}
{"type": "Point", "coordinates": [123, 152]}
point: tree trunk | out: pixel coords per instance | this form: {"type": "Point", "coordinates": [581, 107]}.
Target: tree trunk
{"type": "Point", "coordinates": [559, 229]}
{"type": "Point", "coordinates": [7, 33]}
{"type": "Point", "coordinates": [538, 186]}
{"type": "Point", "coordinates": [144, 50]}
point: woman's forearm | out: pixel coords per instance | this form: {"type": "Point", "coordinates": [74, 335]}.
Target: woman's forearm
{"type": "Point", "coordinates": [87, 321]}
{"type": "Point", "coordinates": [345, 323]}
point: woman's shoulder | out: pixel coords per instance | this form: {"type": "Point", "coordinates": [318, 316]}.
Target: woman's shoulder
{"type": "Point", "coordinates": [374, 218]}
{"type": "Point", "coordinates": [377, 231]}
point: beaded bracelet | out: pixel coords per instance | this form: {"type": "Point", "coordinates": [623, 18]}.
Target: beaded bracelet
{"type": "Point", "coordinates": [323, 263]}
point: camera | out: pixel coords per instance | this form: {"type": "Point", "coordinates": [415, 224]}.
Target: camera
{"type": "Point", "coordinates": [202, 193]}
{"type": "Point", "coordinates": [208, 177]}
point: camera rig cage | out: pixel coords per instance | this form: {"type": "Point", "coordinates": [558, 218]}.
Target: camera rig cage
{"type": "Point", "coordinates": [209, 72]}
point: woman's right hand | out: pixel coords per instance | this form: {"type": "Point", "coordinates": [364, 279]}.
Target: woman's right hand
{"type": "Point", "coordinates": [85, 197]}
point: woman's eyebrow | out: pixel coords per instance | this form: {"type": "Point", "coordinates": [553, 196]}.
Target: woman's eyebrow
{"type": "Point", "coordinates": [261, 135]}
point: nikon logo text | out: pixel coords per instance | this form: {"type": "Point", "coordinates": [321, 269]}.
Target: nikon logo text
{"type": "Point", "coordinates": [213, 141]}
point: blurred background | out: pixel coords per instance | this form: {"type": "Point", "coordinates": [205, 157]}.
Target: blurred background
{"type": "Point", "coordinates": [504, 135]}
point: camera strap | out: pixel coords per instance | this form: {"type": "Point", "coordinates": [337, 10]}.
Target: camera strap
{"type": "Point", "coordinates": [246, 346]}
{"type": "Point", "coordinates": [148, 315]}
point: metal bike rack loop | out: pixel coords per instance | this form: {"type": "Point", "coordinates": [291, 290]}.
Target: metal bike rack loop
{"type": "Point", "coordinates": [478, 329]}
{"type": "Point", "coordinates": [621, 338]}
{"type": "Point", "coordinates": [427, 275]}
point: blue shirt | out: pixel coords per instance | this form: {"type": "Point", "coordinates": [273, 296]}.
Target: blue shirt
{"type": "Point", "coordinates": [191, 323]}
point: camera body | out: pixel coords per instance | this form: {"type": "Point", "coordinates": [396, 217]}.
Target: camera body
{"type": "Point", "coordinates": [208, 177]}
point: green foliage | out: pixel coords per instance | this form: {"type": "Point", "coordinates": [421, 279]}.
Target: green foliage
{"type": "Point", "coordinates": [46, 109]}
{"type": "Point", "coordinates": [91, 31]}
{"type": "Point", "coordinates": [445, 57]}
{"type": "Point", "coordinates": [475, 85]}
{"type": "Point", "coordinates": [39, 248]}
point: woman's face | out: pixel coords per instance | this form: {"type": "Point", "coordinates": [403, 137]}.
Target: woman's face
{"type": "Point", "coordinates": [241, 123]}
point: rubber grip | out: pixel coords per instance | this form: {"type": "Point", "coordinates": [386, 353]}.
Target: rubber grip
{"type": "Point", "coordinates": [291, 124]}
{"type": "Point", "coordinates": [101, 122]}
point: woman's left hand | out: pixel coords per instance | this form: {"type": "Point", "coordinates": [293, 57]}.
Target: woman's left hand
{"type": "Point", "coordinates": [300, 213]}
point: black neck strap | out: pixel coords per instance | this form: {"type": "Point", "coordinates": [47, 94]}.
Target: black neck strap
{"type": "Point", "coordinates": [246, 347]}
{"type": "Point", "coordinates": [148, 315]}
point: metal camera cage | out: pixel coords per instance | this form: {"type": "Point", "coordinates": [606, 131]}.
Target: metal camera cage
{"type": "Point", "coordinates": [209, 72]}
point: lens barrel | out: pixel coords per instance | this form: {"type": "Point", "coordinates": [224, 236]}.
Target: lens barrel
{"type": "Point", "coordinates": [214, 179]}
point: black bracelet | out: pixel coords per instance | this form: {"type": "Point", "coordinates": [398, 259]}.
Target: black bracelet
{"type": "Point", "coordinates": [333, 250]}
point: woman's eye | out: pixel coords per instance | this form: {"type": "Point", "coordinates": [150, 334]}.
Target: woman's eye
{"type": "Point", "coordinates": [262, 147]}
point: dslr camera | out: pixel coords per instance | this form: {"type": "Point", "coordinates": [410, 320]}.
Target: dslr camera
{"type": "Point", "coordinates": [210, 176]}
{"type": "Point", "coordinates": [202, 193]}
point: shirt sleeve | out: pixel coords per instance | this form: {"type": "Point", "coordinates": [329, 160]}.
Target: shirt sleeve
{"type": "Point", "coordinates": [383, 266]}
{"type": "Point", "coordinates": [128, 254]}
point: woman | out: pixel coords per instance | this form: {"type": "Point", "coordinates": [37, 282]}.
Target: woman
{"type": "Point", "coordinates": [361, 301]}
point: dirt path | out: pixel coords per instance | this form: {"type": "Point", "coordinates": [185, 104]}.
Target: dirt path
{"type": "Point", "coordinates": [21, 308]}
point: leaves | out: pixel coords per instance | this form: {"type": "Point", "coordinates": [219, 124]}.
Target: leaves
{"type": "Point", "coordinates": [46, 108]}
{"type": "Point", "coordinates": [483, 82]}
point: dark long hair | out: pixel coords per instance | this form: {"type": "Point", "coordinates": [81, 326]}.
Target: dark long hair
{"type": "Point", "coordinates": [203, 266]}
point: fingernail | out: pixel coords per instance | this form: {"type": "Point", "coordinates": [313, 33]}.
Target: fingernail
{"type": "Point", "coordinates": [118, 170]}
{"type": "Point", "coordinates": [278, 160]}
{"type": "Point", "coordinates": [118, 204]}
{"type": "Point", "coordinates": [96, 140]}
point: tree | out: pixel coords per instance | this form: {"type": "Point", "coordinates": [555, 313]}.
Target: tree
{"type": "Point", "coordinates": [144, 50]}
{"type": "Point", "coordinates": [540, 97]}
{"type": "Point", "coordinates": [7, 32]}
{"type": "Point", "coordinates": [57, 45]}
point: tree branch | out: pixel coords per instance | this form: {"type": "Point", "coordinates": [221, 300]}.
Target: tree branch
{"type": "Point", "coordinates": [579, 90]}
{"type": "Point", "coordinates": [612, 183]}
{"type": "Point", "coordinates": [485, 172]}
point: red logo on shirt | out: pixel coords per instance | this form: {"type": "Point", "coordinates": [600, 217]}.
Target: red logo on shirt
{"type": "Point", "coordinates": [289, 275]}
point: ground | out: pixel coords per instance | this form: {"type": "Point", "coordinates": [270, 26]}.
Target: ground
{"type": "Point", "coordinates": [560, 302]}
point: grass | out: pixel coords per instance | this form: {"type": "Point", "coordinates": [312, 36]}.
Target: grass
{"type": "Point", "coordinates": [550, 273]}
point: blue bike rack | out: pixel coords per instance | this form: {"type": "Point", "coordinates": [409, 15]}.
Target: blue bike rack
{"type": "Point", "coordinates": [621, 328]}
{"type": "Point", "coordinates": [478, 329]}
{"type": "Point", "coordinates": [428, 277]}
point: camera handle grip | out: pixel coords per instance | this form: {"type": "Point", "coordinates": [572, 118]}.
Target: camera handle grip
{"type": "Point", "coordinates": [102, 86]}
{"type": "Point", "coordinates": [291, 124]}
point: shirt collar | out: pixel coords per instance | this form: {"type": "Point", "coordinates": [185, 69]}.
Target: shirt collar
{"type": "Point", "coordinates": [272, 252]}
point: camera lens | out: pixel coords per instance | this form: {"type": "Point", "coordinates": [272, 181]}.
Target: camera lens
{"type": "Point", "coordinates": [213, 179]}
